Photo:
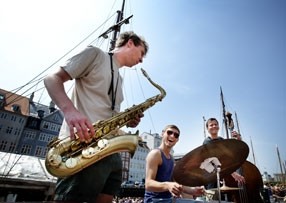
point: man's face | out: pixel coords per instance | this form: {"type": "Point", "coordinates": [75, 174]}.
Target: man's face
{"type": "Point", "coordinates": [213, 127]}
{"type": "Point", "coordinates": [170, 137]}
{"type": "Point", "coordinates": [135, 54]}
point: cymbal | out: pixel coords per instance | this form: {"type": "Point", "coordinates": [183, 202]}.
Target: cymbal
{"type": "Point", "coordinates": [230, 153]}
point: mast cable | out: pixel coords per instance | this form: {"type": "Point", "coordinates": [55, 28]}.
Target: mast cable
{"type": "Point", "coordinates": [40, 79]}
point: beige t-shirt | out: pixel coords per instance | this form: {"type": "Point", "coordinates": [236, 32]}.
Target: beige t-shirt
{"type": "Point", "coordinates": [91, 70]}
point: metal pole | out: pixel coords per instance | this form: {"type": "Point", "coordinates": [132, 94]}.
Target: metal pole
{"type": "Point", "coordinates": [279, 159]}
{"type": "Point", "coordinates": [204, 126]}
{"type": "Point", "coordinates": [223, 111]}
{"type": "Point", "coordinates": [117, 30]}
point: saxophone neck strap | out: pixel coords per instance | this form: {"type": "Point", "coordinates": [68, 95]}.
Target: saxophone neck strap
{"type": "Point", "coordinates": [111, 87]}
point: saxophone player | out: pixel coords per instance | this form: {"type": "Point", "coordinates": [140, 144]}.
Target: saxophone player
{"type": "Point", "coordinates": [97, 95]}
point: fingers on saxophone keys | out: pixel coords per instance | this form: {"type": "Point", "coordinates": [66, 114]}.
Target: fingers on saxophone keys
{"type": "Point", "coordinates": [82, 132]}
{"type": "Point", "coordinates": [135, 121]}
{"type": "Point", "coordinates": [91, 130]}
{"type": "Point", "coordinates": [131, 124]}
{"type": "Point", "coordinates": [140, 115]}
{"type": "Point", "coordinates": [72, 132]}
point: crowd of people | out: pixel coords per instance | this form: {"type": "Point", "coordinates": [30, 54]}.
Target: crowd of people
{"type": "Point", "coordinates": [276, 191]}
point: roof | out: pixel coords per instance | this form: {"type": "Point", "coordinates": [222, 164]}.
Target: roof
{"type": "Point", "coordinates": [15, 99]}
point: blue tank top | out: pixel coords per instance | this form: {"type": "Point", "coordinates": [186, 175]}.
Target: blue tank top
{"type": "Point", "coordinates": [164, 173]}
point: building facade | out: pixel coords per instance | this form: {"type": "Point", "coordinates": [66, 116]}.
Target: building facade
{"type": "Point", "coordinates": [13, 117]}
{"type": "Point", "coordinates": [138, 164]}
{"type": "Point", "coordinates": [153, 140]}
{"type": "Point", "coordinates": [27, 127]}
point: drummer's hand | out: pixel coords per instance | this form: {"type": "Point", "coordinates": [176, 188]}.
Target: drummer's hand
{"type": "Point", "coordinates": [175, 189]}
{"type": "Point", "coordinates": [238, 178]}
{"type": "Point", "coordinates": [195, 191]}
{"type": "Point", "coordinates": [199, 191]}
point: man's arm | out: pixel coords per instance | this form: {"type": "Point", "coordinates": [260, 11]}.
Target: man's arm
{"type": "Point", "coordinates": [55, 86]}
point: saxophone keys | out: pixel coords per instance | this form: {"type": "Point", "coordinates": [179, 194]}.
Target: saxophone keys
{"type": "Point", "coordinates": [71, 162]}
{"type": "Point", "coordinates": [106, 129]}
{"type": "Point", "coordinates": [98, 134]}
{"type": "Point", "coordinates": [88, 152]}
{"type": "Point", "coordinates": [55, 160]}
{"type": "Point", "coordinates": [102, 143]}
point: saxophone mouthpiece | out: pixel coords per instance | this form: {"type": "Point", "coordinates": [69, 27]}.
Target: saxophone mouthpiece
{"type": "Point", "coordinates": [144, 73]}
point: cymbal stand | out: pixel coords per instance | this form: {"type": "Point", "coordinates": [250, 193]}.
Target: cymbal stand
{"type": "Point", "coordinates": [218, 182]}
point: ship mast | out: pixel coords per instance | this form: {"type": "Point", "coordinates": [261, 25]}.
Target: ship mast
{"type": "Point", "coordinates": [224, 114]}
{"type": "Point", "coordinates": [116, 28]}
{"type": "Point", "coordinates": [204, 126]}
{"type": "Point", "coordinates": [238, 130]}
{"type": "Point", "coordinates": [280, 163]}
{"type": "Point", "coordinates": [254, 161]}
{"type": "Point", "coordinates": [237, 125]}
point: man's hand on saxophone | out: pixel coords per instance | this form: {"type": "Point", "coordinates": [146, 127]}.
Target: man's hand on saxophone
{"type": "Point", "coordinates": [75, 120]}
{"type": "Point", "coordinates": [79, 125]}
{"type": "Point", "coordinates": [135, 121]}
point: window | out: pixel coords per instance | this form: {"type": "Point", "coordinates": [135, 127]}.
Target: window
{"type": "Point", "coordinates": [56, 118]}
{"type": "Point", "coordinates": [3, 145]}
{"type": "Point", "coordinates": [21, 120]}
{"type": "Point", "coordinates": [39, 151]}
{"type": "Point", "coordinates": [44, 137]}
{"type": "Point", "coordinates": [16, 108]}
{"type": "Point", "coordinates": [45, 125]}
{"type": "Point", "coordinates": [45, 151]}
{"type": "Point", "coordinates": [9, 130]}
{"type": "Point", "coordinates": [3, 115]}
{"type": "Point", "coordinates": [30, 135]}
{"type": "Point", "coordinates": [12, 147]}
{"type": "Point", "coordinates": [26, 149]}
{"type": "Point", "coordinates": [13, 118]}
{"type": "Point", "coordinates": [17, 131]}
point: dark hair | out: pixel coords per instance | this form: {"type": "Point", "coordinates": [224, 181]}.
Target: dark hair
{"type": "Point", "coordinates": [171, 126]}
{"type": "Point", "coordinates": [137, 40]}
{"type": "Point", "coordinates": [209, 120]}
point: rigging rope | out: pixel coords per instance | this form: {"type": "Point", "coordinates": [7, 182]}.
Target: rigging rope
{"type": "Point", "coordinates": [38, 80]}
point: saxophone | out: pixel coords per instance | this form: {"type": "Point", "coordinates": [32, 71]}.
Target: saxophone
{"type": "Point", "coordinates": [66, 157]}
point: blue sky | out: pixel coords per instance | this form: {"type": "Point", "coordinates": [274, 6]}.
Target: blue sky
{"type": "Point", "coordinates": [196, 47]}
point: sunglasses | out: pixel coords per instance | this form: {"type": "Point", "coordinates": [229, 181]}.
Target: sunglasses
{"type": "Point", "coordinates": [170, 132]}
